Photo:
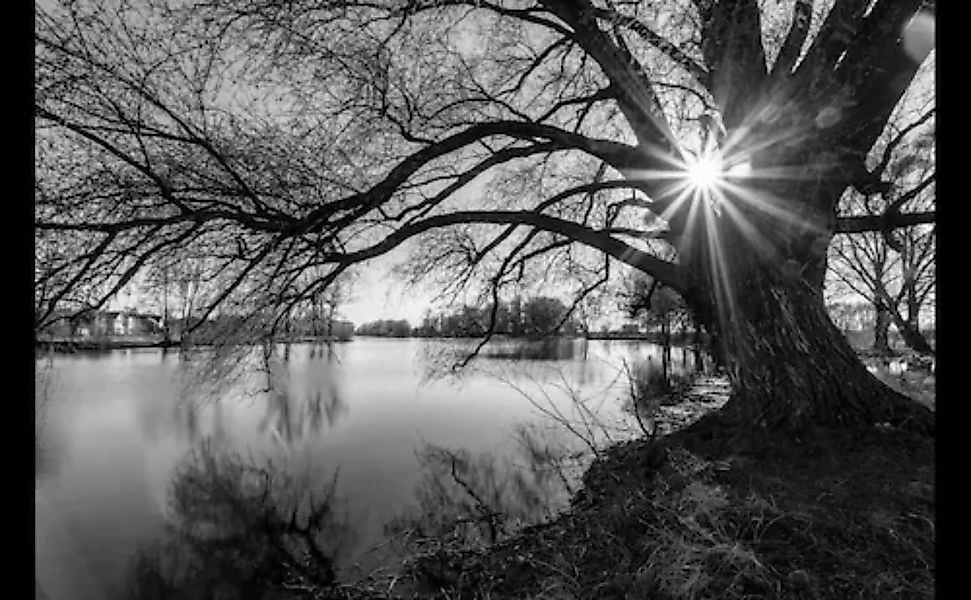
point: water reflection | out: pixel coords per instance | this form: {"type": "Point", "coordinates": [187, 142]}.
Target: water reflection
{"type": "Point", "coordinates": [447, 358]}
{"type": "Point", "coordinates": [123, 421]}
{"type": "Point", "coordinates": [477, 499]}
{"type": "Point", "coordinates": [47, 445]}
{"type": "Point", "coordinates": [298, 402]}
{"type": "Point", "coordinates": [547, 349]}
{"type": "Point", "coordinates": [241, 529]}
{"type": "Point", "coordinates": [211, 374]}
{"type": "Point", "coordinates": [441, 358]}
{"type": "Point", "coordinates": [299, 396]}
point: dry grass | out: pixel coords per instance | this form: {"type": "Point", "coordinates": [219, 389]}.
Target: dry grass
{"type": "Point", "coordinates": [700, 514]}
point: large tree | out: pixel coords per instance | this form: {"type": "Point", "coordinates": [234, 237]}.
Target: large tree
{"type": "Point", "coordinates": [707, 144]}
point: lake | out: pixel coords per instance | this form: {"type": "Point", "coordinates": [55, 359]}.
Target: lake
{"type": "Point", "coordinates": [114, 430]}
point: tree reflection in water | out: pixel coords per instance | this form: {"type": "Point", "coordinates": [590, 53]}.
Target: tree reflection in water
{"type": "Point", "coordinates": [43, 383]}
{"type": "Point", "coordinates": [469, 501]}
{"type": "Point", "coordinates": [548, 349]}
{"type": "Point", "coordinates": [474, 500]}
{"type": "Point", "coordinates": [296, 406]}
{"type": "Point", "coordinates": [238, 529]}
{"type": "Point", "coordinates": [287, 418]}
{"type": "Point", "coordinates": [442, 358]}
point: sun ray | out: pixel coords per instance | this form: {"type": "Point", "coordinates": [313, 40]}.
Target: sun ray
{"type": "Point", "coordinates": [771, 110]}
{"type": "Point", "coordinates": [760, 241]}
{"type": "Point", "coordinates": [763, 202]}
{"type": "Point", "coordinates": [670, 212]}
{"type": "Point", "coordinates": [780, 173]}
{"type": "Point", "coordinates": [719, 272]}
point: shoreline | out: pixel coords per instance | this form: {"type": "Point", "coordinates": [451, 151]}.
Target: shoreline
{"type": "Point", "coordinates": [72, 346]}
{"type": "Point", "coordinates": [708, 510]}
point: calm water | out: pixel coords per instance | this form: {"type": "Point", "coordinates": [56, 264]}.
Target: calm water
{"type": "Point", "coordinates": [114, 429]}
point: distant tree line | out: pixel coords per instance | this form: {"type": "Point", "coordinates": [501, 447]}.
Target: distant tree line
{"type": "Point", "coordinates": [665, 312]}
{"type": "Point", "coordinates": [229, 327]}
{"type": "Point", "coordinates": [539, 316]}
{"type": "Point", "coordinates": [851, 316]}
{"type": "Point", "coordinates": [385, 328]}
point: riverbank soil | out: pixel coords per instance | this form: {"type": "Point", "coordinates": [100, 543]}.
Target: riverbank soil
{"type": "Point", "coordinates": [711, 512]}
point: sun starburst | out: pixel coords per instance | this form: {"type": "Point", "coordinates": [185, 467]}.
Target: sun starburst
{"type": "Point", "coordinates": [705, 171]}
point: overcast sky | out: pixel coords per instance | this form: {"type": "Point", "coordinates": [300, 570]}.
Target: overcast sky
{"type": "Point", "coordinates": [378, 294]}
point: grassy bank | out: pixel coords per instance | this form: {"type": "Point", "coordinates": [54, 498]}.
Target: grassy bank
{"type": "Point", "coordinates": [700, 514]}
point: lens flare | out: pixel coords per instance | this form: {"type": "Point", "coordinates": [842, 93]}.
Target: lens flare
{"type": "Point", "coordinates": [742, 169]}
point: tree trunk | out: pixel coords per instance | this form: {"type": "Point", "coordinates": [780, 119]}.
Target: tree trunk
{"type": "Point", "coordinates": [789, 365]}
{"type": "Point", "coordinates": [911, 334]}
{"type": "Point", "coordinates": [910, 330]}
{"type": "Point", "coordinates": [665, 350]}
{"type": "Point", "coordinates": [913, 305]}
{"type": "Point", "coordinates": [881, 328]}
{"type": "Point", "coordinates": [696, 343]}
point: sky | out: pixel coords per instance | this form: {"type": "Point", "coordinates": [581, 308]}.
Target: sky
{"type": "Point", "coordinates": [379, 294]}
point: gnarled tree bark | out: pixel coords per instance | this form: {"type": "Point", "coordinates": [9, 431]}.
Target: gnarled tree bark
{"type": "Point", "coordinates": [789, 365]}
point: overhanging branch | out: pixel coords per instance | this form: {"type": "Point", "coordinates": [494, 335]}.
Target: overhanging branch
{"type": "Point", "coordinates": [617, 154]}
{"type": "Point", "coordinates": [866, 223]}
{"type": "Point", "coordinates": [669, 273]}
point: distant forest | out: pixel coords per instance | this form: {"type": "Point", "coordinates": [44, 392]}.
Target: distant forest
{"type": "Point", "coordinates": [539, 316]}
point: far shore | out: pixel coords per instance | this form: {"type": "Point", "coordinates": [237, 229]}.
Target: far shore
{"type": "Point", "coordinates": [685, 338]}
{"type": "Point", "coordinates": [69, 345]}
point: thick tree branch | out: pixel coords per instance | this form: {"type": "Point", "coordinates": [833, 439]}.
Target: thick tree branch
{"type": "Point", "coordinates": [789, 53]}
{"type": "Point", "coordinates": [617, 154]}
{"type": "Point", "coordinates": [865, 223]}
{"type": "Point", "coordinates": [634, 89]}
{"type": "Point", "coordinates": [693, 67]}
{"type": "Point", "coordinates": [669, 273]}
{"type": "Point", "coordinates": [732, 47]}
